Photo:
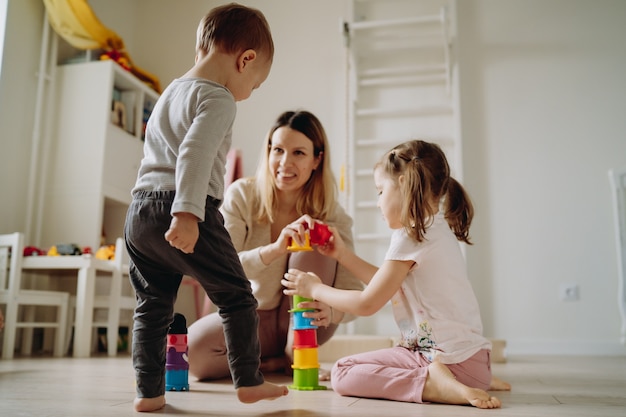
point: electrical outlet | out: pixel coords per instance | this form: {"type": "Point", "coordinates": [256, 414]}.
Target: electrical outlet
{"type": "Point", "coordinates": [569, 292]}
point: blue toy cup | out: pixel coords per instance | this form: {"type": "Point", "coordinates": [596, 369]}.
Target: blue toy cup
{"type": "Point", "coordinates": [300, 322]}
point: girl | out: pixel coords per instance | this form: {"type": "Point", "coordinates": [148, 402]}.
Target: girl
{"type": "Point", "coordinates": [442, 356]}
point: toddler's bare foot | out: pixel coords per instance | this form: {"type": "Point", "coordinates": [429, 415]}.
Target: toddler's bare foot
{"type": "Point", "coordinates": [324, 375]}
{"type": "Point", "coordinates": [442, 387]}
{"type": "Point", "coordinates": [149, 404]}
{"type": "Point", "coordinates": [499, 385]}
{"type": "Point", "coordinates": [265, 391]}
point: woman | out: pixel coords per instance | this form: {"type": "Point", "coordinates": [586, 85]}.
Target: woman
{"type": "Point", "coordinates": [293, 188]}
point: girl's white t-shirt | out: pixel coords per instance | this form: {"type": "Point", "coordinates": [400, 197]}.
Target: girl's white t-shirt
{"type": "Point", "coordinates": [435, 308]}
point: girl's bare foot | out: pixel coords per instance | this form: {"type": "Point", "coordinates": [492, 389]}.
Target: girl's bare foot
{"type": "Point", "coordinates": [442, 387]}
{"type": "Point", "coordinates": [265, 391]}
{"type": "Point", "coordinates": [324, 375]}
{"type": "Point", "coordinates": [499, 385]}
{"type": "Point", "coordinates": [149, 404]}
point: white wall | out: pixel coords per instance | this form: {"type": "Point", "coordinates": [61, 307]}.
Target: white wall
{"type": "Point", "coordinates": [18, 81]}
{"type": "Point", "coordinates": [4, 4]}
{"type": "Point", "coordinates": [542, 94]}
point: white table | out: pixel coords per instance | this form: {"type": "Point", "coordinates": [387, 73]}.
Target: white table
{"type": "Point", "coordinates": [86, 267]}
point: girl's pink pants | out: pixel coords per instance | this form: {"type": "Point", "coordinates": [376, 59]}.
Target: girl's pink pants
{"type": "Point", "coordinates": [399, 374]}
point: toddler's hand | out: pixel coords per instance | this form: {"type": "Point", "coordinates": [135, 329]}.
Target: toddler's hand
{"type": "Point", "coordinates": [183, 232]}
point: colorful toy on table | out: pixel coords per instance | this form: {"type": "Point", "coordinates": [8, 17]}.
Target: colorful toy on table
{"type": "Point", "coordinates": [65, 249]}
{"type": "Point", "coordinates": [318, 235]}
{"type": "Point", "coordinates": [34, 251]}
{"type": "Point", "coordinates": [106, 252]}
{"type": "Point", "coordinates": [176, 360]}
{"type": "Point", "coordinates": [305, 359]}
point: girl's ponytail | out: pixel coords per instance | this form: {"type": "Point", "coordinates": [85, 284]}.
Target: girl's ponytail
{"type": "Point", "coordinates": [459, 210]}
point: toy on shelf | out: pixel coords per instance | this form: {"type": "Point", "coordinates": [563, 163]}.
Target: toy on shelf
{"type": "Point", "coordinates": [106, 252]}
{"type": "Point", "coordinates": [318, 235]}
{"type": "Point", "coordinates": [34, 251]}
{"type": "Point", "coordinates": [64, 249]}
{"type": "Point", "coordinates": [176, 360]}
{"type": "Point", "coordinates": [305, 359]}
{"type": "Point", "coordinates": [118, 57]}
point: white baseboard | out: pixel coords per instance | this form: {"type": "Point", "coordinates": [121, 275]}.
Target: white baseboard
{"type": "Point", "coordinates": [563, 347]}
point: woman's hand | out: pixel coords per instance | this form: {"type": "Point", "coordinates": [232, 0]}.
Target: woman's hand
{"type": "Point", "coordinates": [300, 283]}
{"type": "Point", "coordinates": [295, 231]}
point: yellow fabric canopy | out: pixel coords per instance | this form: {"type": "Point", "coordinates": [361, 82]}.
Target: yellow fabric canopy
{"type": "Point", "coordinates": [75, 21]}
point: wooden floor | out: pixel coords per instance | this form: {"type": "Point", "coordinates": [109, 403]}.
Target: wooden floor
{"type": "Point", "coordinates": [101, 386]}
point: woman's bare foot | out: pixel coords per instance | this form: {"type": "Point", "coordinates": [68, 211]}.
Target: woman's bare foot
{"type": "Point", "coordinates": [324, 374]}
{"type": "Point", "coordinates": [149, 404]}
{"type": "Point", "coordinates": [499, 385]}
{"type": "Point", "coordinates": [265, 391]}
{"type": "Point", "coordinates": [442, 387]}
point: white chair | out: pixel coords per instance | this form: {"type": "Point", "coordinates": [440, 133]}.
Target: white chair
{"type": "Point", "coordinates": [113, 300]}
{"type": "Point", "coordinates": [617, 179]}
{"type": "Point", "coordinates": [13, 295]}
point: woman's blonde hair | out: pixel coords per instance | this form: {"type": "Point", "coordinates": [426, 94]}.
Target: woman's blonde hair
{"type": "Point", "coordinates": [427, 179]}
{"type": "Point", "coordinates": [319, 194]}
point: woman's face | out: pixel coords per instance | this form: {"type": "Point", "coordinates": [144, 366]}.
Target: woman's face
{"type": "Point", "coordinates": [291, 159]}
{"type": "Point", "coordinates": [389, 198]}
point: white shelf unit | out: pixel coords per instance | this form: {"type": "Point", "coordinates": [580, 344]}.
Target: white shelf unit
{"type": "Point", "coordinates": [93, 164]}
{"type": "Point", "coordinates": [402, 85]}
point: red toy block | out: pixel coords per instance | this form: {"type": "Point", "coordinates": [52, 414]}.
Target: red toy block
{"type": "Point", "coordinates": [320, 234]}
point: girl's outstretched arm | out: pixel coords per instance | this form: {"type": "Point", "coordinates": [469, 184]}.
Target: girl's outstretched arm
{"type": "Point", "coordinates": [336, 248]}
{"type": "Point", "coordinates": [383, 285]}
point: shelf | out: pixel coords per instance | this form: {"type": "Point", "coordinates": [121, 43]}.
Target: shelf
{"type": "Point", "coordinates": [94, 163]}
{"type": "Point", "coordinates": [125, 80]}
{"type": "Point", "coordinates": [122, 152]}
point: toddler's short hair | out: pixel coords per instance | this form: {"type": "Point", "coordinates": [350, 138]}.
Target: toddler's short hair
{"type": "Point", "coordinates": [233, 28]}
